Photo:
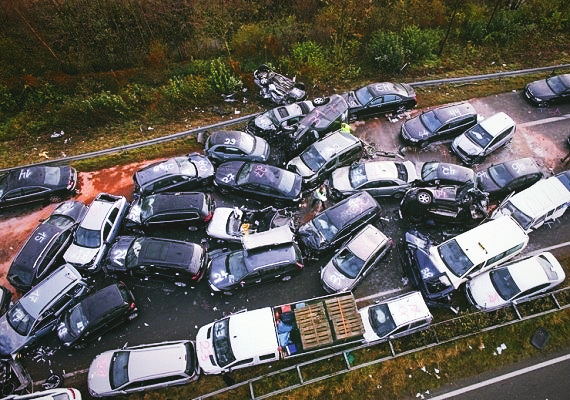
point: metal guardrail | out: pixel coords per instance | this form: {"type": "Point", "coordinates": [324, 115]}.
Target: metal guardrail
{"type": "Point", "coordinates": [349, 359]}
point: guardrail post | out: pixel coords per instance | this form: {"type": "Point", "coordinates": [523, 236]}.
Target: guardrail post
{"type": "Point", "coordinates": [300, 375]}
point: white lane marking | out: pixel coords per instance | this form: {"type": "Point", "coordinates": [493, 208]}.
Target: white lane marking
{"type": "Point", "coordinates": [544, 121]}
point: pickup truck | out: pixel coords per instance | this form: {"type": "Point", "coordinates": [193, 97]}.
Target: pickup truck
{"type": "Point", "coordinates": [272, 333]}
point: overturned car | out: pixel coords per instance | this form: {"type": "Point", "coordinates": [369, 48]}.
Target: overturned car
{"type": "Point", "coordinates": [277, 88]}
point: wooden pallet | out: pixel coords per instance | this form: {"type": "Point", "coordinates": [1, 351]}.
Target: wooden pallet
{"type": "Point", "coordinates": [313, 326]}
{"type": "Point", "coordinates": [344, 317]}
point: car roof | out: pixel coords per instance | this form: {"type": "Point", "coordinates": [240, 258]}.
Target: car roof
{"type": "Point", "coordinates": [168, 202]}
{"type": "Point", "coordinates": [350, 208]}
{"type": "Point", "coordinates": [33, 247]}
{"type": "Point", "coordinates": [36, 176]}
{"type": "Point", "coordinates": [450, 171]}
{"type": "Point", "coordinates": [365, 242]}
{"type": "Point", "coordinates": [259, 341]}
{"type": "Point", "coordinates": [377, 170]}
{"type": "Point", "coordinates": [98, 304]}
{"type": "Point", "coordinates": [408, 308]}
{"type": "Point", "coordinates": [267, 257]}
{"type": "Point", "coordinates": [96, 214]}
{"type": "Point", "coordinates": [380, 88]}
{"type": "Point", "coordinates": [496, 123]}
{"type": "Point", "coordinates": [520, 167]}
{"type": "Point", "coordinates": [159, 169]}
{"type": "Point", "coordinates": [453, 111]}
{"type": "Point", "coordinates": [163, 360]}
{"type": "Point", "coordinates": [272, 237]}
{"type": "Point", "coordinates": [167, 251]}
{"type": "Point", "coordinates": [334, 143]}
{"type": "Point", "coordinates": [220, 137]}
{"type": "Point", "coordinates": [529, 272]}
{"type": "Point", "coordinates": [540, 197]}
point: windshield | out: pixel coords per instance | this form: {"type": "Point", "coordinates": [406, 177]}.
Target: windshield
{"type": "Point", "coordinates": [20, 320]}
{"type": "Point", "coordinates": [430, 171]}
{"type": "Point", "coordinates": [186, 167]}
{"type": "Point", "coordinates": [119, 374]}
{"type": "Point", "coordinates": [147, 207]}
{"type": "Point", "coordinates": [348, 263]}
{"type": "Point", "coordinates": [430, 121]}
{"type": "Point", "coordinates": [3, 184]}
{"type": "Point", "coordinates": [76, 321]}
{"type": "Point", "coordinates": [363, 95]}
{"type": "Point", "coordinates": [479, 136]}
{"type": "Point", "coordinates": [222, 344]}
{"type": "Point", "coordinates": [357, 175]}
{"type": "Point", "coordinates": [132, 258]}
{"type": "Point", "coordinates": [87, 238]}
{"type": "Point", "coordinates": [381, 320]}
{"type": "Point", "coordinates": [61, 221]}
{"type": "Point", "coordinates": [454, 257]}
{"type": "Point", "coordinates": [236, 266]}
{"type": "Point", "coordinates": [243, 174]}
{"type": "Point", "coordinates": [556, 84]}
{"type": "Point", "coordinates": [313, 159]}
{"type": "Point", "coordinates": [503, 283]}
{"type": "Point", "coordinates": [324, 224]}
{"type": "Point", "coordinates": [523, 220]}
{"type": "Point", "coordinates": [500, 175]}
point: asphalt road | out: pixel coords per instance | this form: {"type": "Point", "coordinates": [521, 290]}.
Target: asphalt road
{"type": "Point", "coordinates": [171, 312]}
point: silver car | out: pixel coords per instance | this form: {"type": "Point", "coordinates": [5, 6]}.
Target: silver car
{"type": "Point", "coordinates": [145, 367]}
{"type": "Point", "coordinates": [355, 259]}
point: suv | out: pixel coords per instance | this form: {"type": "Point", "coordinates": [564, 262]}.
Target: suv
{"type": "Point", "coordinates": [322, 157]}
{"type": "Point", "coordinates": [96, 231]}
{"type": "Point", "coordinates": [36, 313]}
{"type": "Point", "coordinates": [438, 124]}
{"type": "Point", "coordinates": [265, 256]}
{"type": "Point", "coordinates": [160, 209]}
{"type": "Point", "coordinates": [332, 226]}
{"type": "Point", "coordinates": [96, 314]}
{"type": "Point", "coordinates": [139, 368]}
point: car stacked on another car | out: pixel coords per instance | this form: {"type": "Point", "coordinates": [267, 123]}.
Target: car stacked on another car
{"type": "Point", "coordinates": [96, 231]}
{"type": "Point", "coordinates": [555, 89]}
{"type": "Point", "coordinates": [510, 176]}
{"type": "Point", "coordinates": [222, 146]}
{"type": "Point", "coordinates": [44, 248]}
{"type": "Point", "coordinates": [37, 183]}
{"type": "Point", "coordinates": [379, 98]}
{"type": "Point", "coordinates": [379, 178]}
{"type": "Point", "coordinates": [175, 174]}
{"type": "Point", "coordinates": [145, 256]}
{"type": "Point", "coordinates": [278, 122]}
{"type": "Point", "coordinates": [442, 173]}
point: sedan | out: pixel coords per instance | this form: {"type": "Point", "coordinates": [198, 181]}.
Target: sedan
{"type": "Point", "coordinates": [355, 259]}
{"type": "Point", "coordinates": [278, 88]}
{"type": "Point", "coordinates": [515, 282]}
{"type": "Point", "coordinates": [482, 139]}
{"type": "Point", "coordinates": [509, 176]}
{"type": "Point", "coordinates": [261, 181]}
{"type": "Point", "coordinates": [37, 183]}
{"type": "Point", "coordinates": [379, 178]}
{"type": "Point", "coordinates": [272, 125]}
{"type": "Point", "coordinates": [441, 173]}
{"type": "Point", "coordinates": [174, 174]}
{"type": "Point", "coordinates": [222, 146]}
{"type": "Point", "coordinates": [45, 246]}
{"type": "Point", "coordinates": [148, 256]}
{"type": "Point", "coordinates": [144, 367]}
{"type": "Point", "coordinates": [231, 224]}
{"type": "Point", "coordinates": [555, 89]}
{"type": "Point", "coordinates": [379, 98]}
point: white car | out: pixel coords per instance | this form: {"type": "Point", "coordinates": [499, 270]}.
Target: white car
{"type": "Point", "coordinates": [395, 317]}
{"type": "Point", "coordinates": [145, 367]}
{"type": "Point", "coordinates": [512, 283]}
{"type": "Point", "coordinates": [51, 394]}
{"type": "Point", "coordinates": [96, 231]}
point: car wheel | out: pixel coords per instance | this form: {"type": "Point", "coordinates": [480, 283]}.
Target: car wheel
{"type": "Point", "coordinates": [289, 128]}
{"type": "Point", "coordinates": [424, 197]}
{"type": "Point", "coordinates": [55, 199]}
{"type": "Point", "coordinates": [263, 81]}
{"type": "Point", "coordinates": [319, 101]}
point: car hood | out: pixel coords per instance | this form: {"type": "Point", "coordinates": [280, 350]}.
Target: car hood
{"type": "Point", "coordinates": [10, 340]}
{"type": "Point", "coordinates": [415, 130]}
{"type": "Point", "coordinates": [98, 376]}
{"type": "Point", "coordinates": [217, 228]}
{"type": "Point", "coordinates": [116, 256]}
{"type": "Point", "coordinates": [205, 350]}
{"type": "Point", "coordinates": [134, 213]}
{"type": "Point", "coordinates": [218, 274]}
{"type": "Point", "coordinates": [340, 180]}
{"type": "Point", "coordinates": [78, 255]}
{"type": "Point", "coordinates": [369, 333]}
{"type": "Point", "coordinates": [419, 246]}
{"type": "Point", "coordinates": [310, 237]}
{"type": "Point", "coordinates": [540, 90]}
{"type": "Point", "coordinates": [485, 183]}
{"type": "Point", "coordinates": [226, 173]}
{"type": "Point", "coordinates": [483, 294]}
{"type": "Point", "coordinates": [297, 165]}
{"type": "Point", "coordinates": [334, 280]}
{"type": "Point", "coordinates": [466, 145]}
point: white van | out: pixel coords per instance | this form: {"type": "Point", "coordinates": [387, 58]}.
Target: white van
{"type": "Point", "coordinates": [544, 201]}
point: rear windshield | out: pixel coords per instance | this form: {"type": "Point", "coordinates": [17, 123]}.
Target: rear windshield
{"type": "Point", "coordinates": [504, 284]}
{"type": "Point", "coordinates": [381, 320]}
{"type": "Point", "coordinates": [222, 344]}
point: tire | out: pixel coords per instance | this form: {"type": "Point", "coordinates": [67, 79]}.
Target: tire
{"type": "Point", "coordinates": [55, 199]}
{"type": "Point", "coordinates": [424, 197]}
{"type": "Point", "coordinates": [320, 101]}
{"type": "Point", "coordinates": [263, 81]}
{"type": "Point", "coordinates": [300, 86]}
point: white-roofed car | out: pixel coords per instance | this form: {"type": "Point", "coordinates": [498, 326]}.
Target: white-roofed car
{"type": "Point", "coordinates": [50, 394]}
{"type": "Point", "coordinates": [140, 368]}
{"type": "Point", "coordinates": [514, 282]}
{"type": "Point", "coordinates": [355, 259]}
{"type": "Point", "coordinates": [378, 178]}
{"type": "Point", "coordinates": [395, 317]}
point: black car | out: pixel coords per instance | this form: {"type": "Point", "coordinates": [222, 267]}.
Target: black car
{"type": "Point", "coordinates": [379, 98]}
{"type": "Point", "coordinates": [160, 209]}
{"type": "Point", "coordinates": [331, 227]}
{"type": "Point", "coordinates": [96, 314]}
{"type": "Point", "coordinates": [222, 146]}
{"type": "Point", "coordinates": [509, 176]}
{"type": "Point", "coordinates": [278, 122]}
{"type": "Point", "coordinates": [259, 181]}
{"type": "Point", "coordinates": [277, 88]}
{"type": "Point", "coordinates": [37, 183]}
{"type": "Point", "coordinates": [445, 203]}
{"type": "Point", "coordinates": [45, 246]}
{"type": "Point", "coordinates": [174, 174]}
{"type": "Point", "coordinates": [441, 173]}
{"type": "Point", "coordinates": [5, 298]}
{"type": "Point", "coordinates": [555, 89]}
{"type": "Point", "coordinates": [148, 256]}
{"type": "Point", "coordinates": [316, 124]}
{"type": "Point", "coordinates": [438, 124]}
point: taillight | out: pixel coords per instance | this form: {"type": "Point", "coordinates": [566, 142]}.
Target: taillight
{"type": "Point", "coordinates": [208, 217]}
{"type": "Point", "coordinates": [299, 265]}
{"type": "Point", "coordinates": [72, 392]}
{"type": "Point", "coordinates": [132, 306]}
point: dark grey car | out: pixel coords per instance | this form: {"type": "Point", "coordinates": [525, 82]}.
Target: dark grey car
{"type": "Point", "coordinates": [555, 89]}
{"type": "Point", "coordinates": [222, 146]}
{"type": "Point", "coordinates": [379, 98]}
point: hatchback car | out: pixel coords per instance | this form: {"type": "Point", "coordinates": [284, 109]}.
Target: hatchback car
{"type": "Point", "coordinates": [441, 173]}
{"type": "Point", "coordinates": [379, 98]}
{"type": "Point", "coordinates": [97, 229]}
{"type": "Point", "coordinates": [37, 183]}
{"type": "Point", "coordinates": [222, 146]}
{"type": "Point", "coordinates": [175, 174]}
{"type": "Point", "coordinates": [149, 256]}
{"type": "Point", "coordinates": [355, 259]}
{"type": "Point", "coordinates": [36, 313]}
{"type": "Point", "coordinates": [509, 176]}
{"type": "Point", "coordinates": [332, 226]}
{"type": "Point", "coordinates": [317, 161]}
{"type": "Point", "coordinates": [278, 122]}
{"type": "Point", "coordinates": [515, 282]}
{"type": "Point", "coordinates": [395, 317]}
{"type": "Point", "coordinates": [438, 124]}
{"type": "Point", "coordinates": [167, 209]}
{"type": "Point", "coordinates": [555, 89]}
{"type": "Point", "coordinates": [259, 181]}
{"type": "Point", "coordinates": [96, 314]}
{"type": "Point", "coordinates": [277, 88]}
{"type": "Point", "coordinates": [379, 178]}
{"type": "Point", "coordinates": [482, 139]}
{"type": "Point", "coordinates": [145, 367]}
{"type": "Point", "coordinates": [266, 256]}
{"type": "Point", "coordinates": [44, 248]}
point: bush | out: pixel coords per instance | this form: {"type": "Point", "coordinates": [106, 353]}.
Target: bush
{"type": "Point", "coordinates": [419, 44]}
{"type": "Point", "coordinates": [186, 90]}
{"type": "Point", "coordinates": [7, 102]}
{"type": "Point", "coordinates": [221, 79]}
{"type": "Point", "coordinates": [310, 59]}
{"type": "Point", "coordinates": [387, 51]}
